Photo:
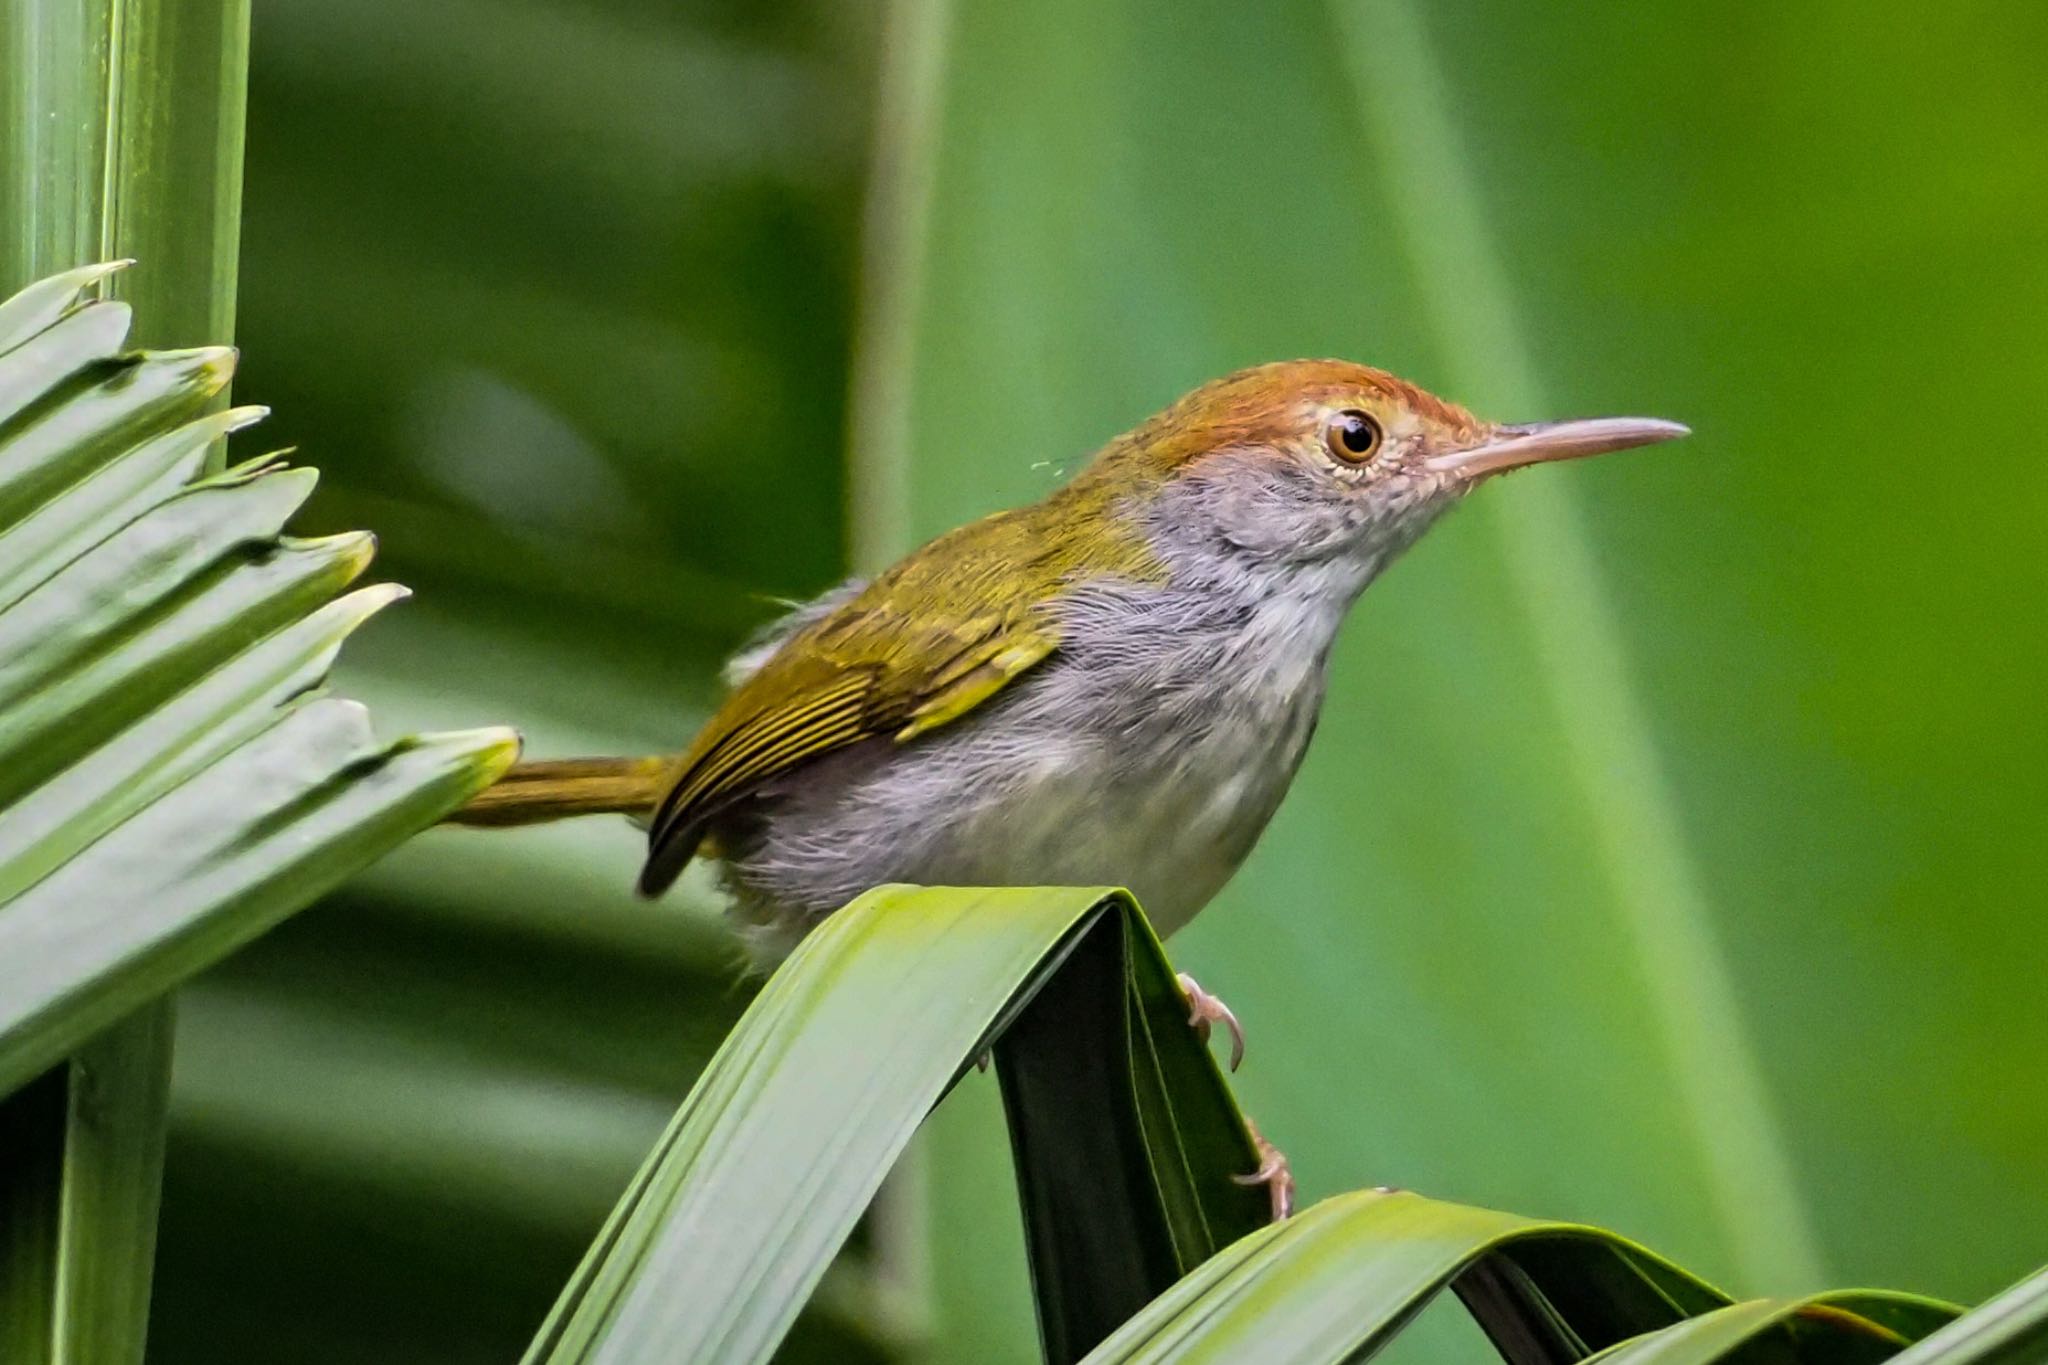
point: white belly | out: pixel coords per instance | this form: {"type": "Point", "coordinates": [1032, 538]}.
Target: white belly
{"type": "Point", "coordinates": [1173, 830]}
{"type": "Point", "coordinates": [1030, 799]}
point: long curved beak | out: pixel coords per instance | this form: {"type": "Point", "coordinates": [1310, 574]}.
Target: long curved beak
{"type": "Point", "coordinates": [1542, 442]}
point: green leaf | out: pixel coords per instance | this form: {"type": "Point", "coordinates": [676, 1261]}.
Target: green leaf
{"type": "Point", "coordinates": [38, 306]}
{"type": "Point", "coordinates": [172, 780]}
{"type": "Point", "coordinates": [1848, 1327]}
{"type": "Point", "coordinates": [1341, 1278]}
{"type": "Point", "coordinates": [2009, 1329]}
{"type": "Point", "coordinates": [1118, 1149]}
{"type": "Point", "coordinates": [784, 1140]}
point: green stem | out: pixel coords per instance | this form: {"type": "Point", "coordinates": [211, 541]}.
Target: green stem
{"type": "Point", "coordinates": [121, 126]}
{"type": "Point", "coordinates": [894, 240]}
{"type": "Point", "coordinates": [119, 1090]}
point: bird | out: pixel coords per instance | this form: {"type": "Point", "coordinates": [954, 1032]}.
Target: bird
{"type": "Point", "coordinates": [1115, 684]}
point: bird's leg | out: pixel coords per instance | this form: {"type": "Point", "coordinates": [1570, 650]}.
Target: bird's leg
{"type": "Point", "coordinates": [1273, 1173]}
{"type": "Point", "coordinates": [1204, 1010]}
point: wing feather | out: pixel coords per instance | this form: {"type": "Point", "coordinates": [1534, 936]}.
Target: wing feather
{"type": "Point", "coordinates": [858, 665]}
{"type": "Point", "coordinates": [831, 686]}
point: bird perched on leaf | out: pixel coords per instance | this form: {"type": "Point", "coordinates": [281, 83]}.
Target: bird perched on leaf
{"type": "Point", "coordinates": [1115, 684]}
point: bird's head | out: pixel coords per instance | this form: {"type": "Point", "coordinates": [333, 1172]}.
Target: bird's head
{"type": "Point", "coordinates": [1325, 465]}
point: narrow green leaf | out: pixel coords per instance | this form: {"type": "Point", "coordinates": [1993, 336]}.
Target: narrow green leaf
{"type": "Point", "coordinates": [1340, 1279]}
{"type": "Point", "coordinates": [55, 122]}
{"type": "Point", "coordinates": [255, 836]}
{"type": "Point", "coordinates": [1122, 1153]}
{"type": "Point", "coordinates": [87, 513]}
{"type": "Point", "coordinates": [1567, 1292]}
{"type": "Point", "coordinates": [69, 347]}
{"type": "Point", "coordinates": [798, 1118]}
{"type": "Point", "coordinates": [40, 304]}
{"type": "Point", "coordinates": [164, 748]}
{"type": "Point", "coordinates": [176, 86]}
{"type": "Point", "coordinates": [2010, 1329]}
{"type": "Point", "coordinates": [1543, 1303]}
{"type": "Point", "coordinates": [125, 582]}
{"type": "Point", "coordinates": [829, 1073]}
{"type": "Point", "coordinates": [242, 602]}
{"type": "Point", "coordinates": [121, 130]}
{"type": "Point", "coordinates": [126, 402]}
{"type": "Point", "coordinates": [1849, 1327]}
{"type": "Point", "coordinates": [121, 123]}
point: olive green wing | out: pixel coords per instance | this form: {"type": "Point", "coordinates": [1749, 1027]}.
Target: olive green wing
{"type": "Point", "coordinates": [865, 671]}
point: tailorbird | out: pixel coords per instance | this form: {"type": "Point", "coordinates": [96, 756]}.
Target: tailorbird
{"type": "Point", "coordinates": [1112, 685]}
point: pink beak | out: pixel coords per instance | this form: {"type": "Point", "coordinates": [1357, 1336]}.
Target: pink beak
{"type": "Point", "coordinates": [1542, 442]}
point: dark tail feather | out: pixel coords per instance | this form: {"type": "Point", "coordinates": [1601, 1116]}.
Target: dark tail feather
{"type": "Point", "coordinates": [669, 854]}
{"type": "Point", "coordinates": [536, 792]}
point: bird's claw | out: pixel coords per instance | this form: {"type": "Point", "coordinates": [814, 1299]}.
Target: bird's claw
{"type": "Point", "coordinates": [1205, 1010]}
{"type": "Point", "coordinates": [1273, 1172]}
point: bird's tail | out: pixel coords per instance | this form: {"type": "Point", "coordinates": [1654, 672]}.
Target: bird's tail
{"type": "Point", "coordinates": [532, 793]}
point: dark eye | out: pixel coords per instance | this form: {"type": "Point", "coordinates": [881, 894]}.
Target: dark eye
{"type": "Point", "coordinates": [1353, 436]}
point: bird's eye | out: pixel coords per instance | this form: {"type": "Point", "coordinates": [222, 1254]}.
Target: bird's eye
{"type": "Point", "coordinates": [1353, 436]}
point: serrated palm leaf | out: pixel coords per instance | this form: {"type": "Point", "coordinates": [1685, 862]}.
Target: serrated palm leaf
{"type": "Point", "coordinates": [173, 780]}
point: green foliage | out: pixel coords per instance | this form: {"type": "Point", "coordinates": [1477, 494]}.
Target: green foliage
{"type": "Point", "coordinates": [819, 1088]}
{"type": "Point", "coordinates": [121, 128]}
{"type": "Point", "coordinates": [167, 749]}
{"type": "Point", "coordinates": [1850, 1326]}
{"type": "Point", "coordinates": [2008, 1330]}
{"type": "Point", "coordinates": [1143, 1247]}
{"type": "Point", "coordinates": [175, 779]}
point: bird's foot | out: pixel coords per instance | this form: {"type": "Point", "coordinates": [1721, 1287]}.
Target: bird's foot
{"type": "Point", "coordinates": [1205, 1010]}
{"type": "Point", "coordinates": [1273, 1173]}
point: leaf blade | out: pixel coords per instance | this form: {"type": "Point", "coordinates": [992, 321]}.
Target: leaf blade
{"type": "Point", "coordinates": [794, 1118]}
{"type": "Point", "coordinates": [739, 1126]}
{"type": "Point", "coordinates": [1341, 1278]}
{"type": "Point", "coordinates": [2009, 1329]}
{"type": "Point", "coordinates": [1122, 1153]}
{"type": "Point", "coordinates": [1842, 1326]}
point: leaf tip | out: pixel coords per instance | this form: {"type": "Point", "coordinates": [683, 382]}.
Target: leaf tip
{"type": "Point", "coordinates": [86, 276]}
{"type": "Point", "coordinates": [354, 550]}
{"type": "Point", "coordinates": [352, 609]}
{"type": "Point", "coordinates": [492, 749]}
{"type": "Point", "coordinates": [216, 366]}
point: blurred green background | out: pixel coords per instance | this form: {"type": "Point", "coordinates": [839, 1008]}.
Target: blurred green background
{"type": "Point", "coordinates": [1671, 856]}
